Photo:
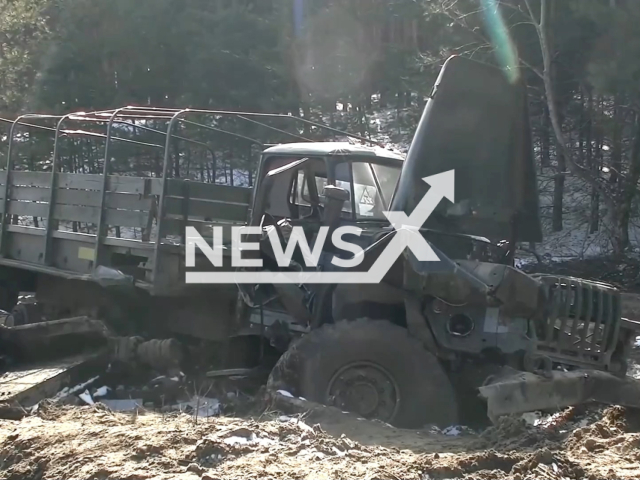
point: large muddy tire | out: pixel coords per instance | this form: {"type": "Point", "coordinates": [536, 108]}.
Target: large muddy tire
{"type": "Point", "coordinates": [24, 313]}
{"type": "Point", "coordinates": [370, 367]}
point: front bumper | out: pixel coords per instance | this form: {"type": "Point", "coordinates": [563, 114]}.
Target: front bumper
{"type": "Point", "coordinates": [514, 392]}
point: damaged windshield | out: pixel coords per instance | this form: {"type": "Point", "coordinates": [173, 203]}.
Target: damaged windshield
{"type": "Point", "coordinates": [370, 187]}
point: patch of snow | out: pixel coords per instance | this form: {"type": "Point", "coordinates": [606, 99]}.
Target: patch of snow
{"type": "Point", "coordinates": [203, 407]}
{"type": "Point", "coordinates": [66, 391]}
{"type": "Point", "coordinates": [532, 418]}
{"type": "Point", "coordinates": [284, 393]}
{"type": "Point", "coordinates": [86, 397]}
{"type": "Point", "coordinates": [453, 431]}
{"type": "Point", "coordinates": [102, 391]}
{"type": "Point", "coordinates": [633, 370]}
{"type": "Point", "coordinates": [252, 440]}
{"type": "Point", "coordinates": [122, 405]}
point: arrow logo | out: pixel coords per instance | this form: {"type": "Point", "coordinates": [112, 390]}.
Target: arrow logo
{"type": "Point", "coordinates": [407, 235]}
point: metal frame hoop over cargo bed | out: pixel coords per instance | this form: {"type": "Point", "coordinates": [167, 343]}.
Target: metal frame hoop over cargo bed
{"type": "Point", "coordinates": [106, 200]}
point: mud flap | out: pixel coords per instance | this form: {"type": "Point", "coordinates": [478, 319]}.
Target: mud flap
{"type": "Point", "coordinates": [513, 392]}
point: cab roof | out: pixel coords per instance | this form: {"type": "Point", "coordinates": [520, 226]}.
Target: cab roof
{"type": "Point", "coordinates": [332, 148]}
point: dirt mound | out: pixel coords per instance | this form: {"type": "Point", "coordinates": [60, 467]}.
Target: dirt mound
{"type": "Point", "coordinates": [93, 442]}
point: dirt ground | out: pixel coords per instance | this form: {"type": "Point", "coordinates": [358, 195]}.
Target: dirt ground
{"type": "Point", "coordinates": [93, 442]}
{"type": "Point", "coordinates": [287, 439]}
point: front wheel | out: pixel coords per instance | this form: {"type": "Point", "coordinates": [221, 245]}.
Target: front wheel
{"type": "Point", "coordinates": [372, 368]}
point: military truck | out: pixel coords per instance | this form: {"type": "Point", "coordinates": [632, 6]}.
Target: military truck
{"type": "Point", "coordinates": [416, 347]}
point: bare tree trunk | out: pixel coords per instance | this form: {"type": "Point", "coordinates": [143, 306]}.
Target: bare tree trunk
{"type": "Point", "coordinates": [580, 171]}
{"type": "Point", "coordinates": [592, 162]}
{"type": "Point", "coordinates": [306, 109]}
{"type": "Point", "coordinates": [558, 191]}
{"type": "Point", "coordinates": [545, 159]}
{"type": "Point", "coordinates": [616, 151]}
{"type": "Point", "coordinates": [621, 240]}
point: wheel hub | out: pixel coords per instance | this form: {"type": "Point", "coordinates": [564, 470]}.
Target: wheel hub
{"type": "Point", "coordinates": [366, 389]}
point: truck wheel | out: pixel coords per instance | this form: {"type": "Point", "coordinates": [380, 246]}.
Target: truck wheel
{"type": "Point", "coordinates": [24, 314]}
{"type": "Point", "coordinates": [369, 367]}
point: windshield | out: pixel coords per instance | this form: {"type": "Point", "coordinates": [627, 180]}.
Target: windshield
{"type": "Point", "coordinates": [370, 187]}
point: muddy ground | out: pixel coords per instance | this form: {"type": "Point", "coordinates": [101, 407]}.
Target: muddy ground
{"type": "Point", "coordinates": [92, 442]}
{"type": "Point", "coordinates": [274, 437]}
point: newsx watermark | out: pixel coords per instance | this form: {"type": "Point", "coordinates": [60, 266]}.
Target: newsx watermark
{"type": "Point", "coordinates": [407, 236]}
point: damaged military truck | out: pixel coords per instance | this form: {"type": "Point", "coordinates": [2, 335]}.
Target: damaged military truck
{"type": "Point", "coordinates": [422, 344]}
{"type": "Point", "coordinates": [411, 349]}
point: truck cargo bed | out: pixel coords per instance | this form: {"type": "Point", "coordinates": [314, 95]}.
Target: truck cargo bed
{"type": "Point", "coordinates": [140, 237]}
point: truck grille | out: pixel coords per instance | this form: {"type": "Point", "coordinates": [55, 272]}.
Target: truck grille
{"type": "Point", "coordinates": [581, 323]}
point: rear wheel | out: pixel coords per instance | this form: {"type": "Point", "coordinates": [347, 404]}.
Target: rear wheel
{"type": "Point", "coordinates": [370, 367]}
{"type": "Point", "coordinates": [24, 313]}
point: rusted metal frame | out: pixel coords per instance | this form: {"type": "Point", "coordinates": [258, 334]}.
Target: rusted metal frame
{"type": "Point", "coordinates": [52, 193]}
{"type": "Point", "coordinates": [103, 192]}
{"type": "Point", "coordinates": [291, 117]}
{"type": "Point", "coordinates": [161, 202]}
{"type": "Point", "coordinates": [214, 129]}
{"type": "Point", "coordinates": [288, 117]}
{"type": "Point", "coordinates": [279, 130]}
{"type": "Point", "coordinates": [132, 109]}
{"type": "Point", "coordinates": [155, 112]}
{"type": "Point", "coordinates": [99, 135]}
{"type": "Point", "coordinates": [252, 141]}
{"type": "Point", "coordinates": [9, 167]}
{"type": "Point", "coordinates": [165, 113]}
{"type": "Point", "coordinates": [185, 139]}
{"type": "Point", "coordinates": [85, 133]}
{"type": "Point", "coordinates": [159, 132]}
{"type": "Point", "coordinates": [186, 198]}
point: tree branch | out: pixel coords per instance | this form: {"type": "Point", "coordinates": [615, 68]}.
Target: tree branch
{"type": "Point", "coordinates": [547, 77]}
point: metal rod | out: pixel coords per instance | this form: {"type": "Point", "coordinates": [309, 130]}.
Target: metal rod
{"type": "Point", "coordinates": [103, 193]}
{"type": "Point", "coordinates": [89, 134]}
{"type": "Point", "coordinates": [248, 139]}
{"type": "Point", "coordinates": [99, 135]}
{"type": "Point", "coordinates": [299, 137]}
{"type": "Point", "coordinates": [165, 171]}
{"type": "Point", "coordinates": [52, 194]}
{"type": "Point", "coordinates": [185, 139]}
{"type": "Point", "coordinates": [270, 115]}
{"type": "Point", "coordinates": [7, 182]}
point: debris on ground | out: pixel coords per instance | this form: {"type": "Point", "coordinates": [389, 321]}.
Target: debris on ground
{"type": "Point", "coordinates": [174, 427]}
{"type": "Point", "coordinates": [93, 441]}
